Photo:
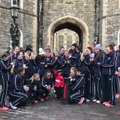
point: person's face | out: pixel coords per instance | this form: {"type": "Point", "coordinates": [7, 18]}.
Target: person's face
{"type": "Point", "coordinates": [37, 77]}
{"type": "Point", "coordinates": [73, 47]}
{"type": "Point", "coordinates": [22, 73]}
{"type": "Point", "coordinates": [96, 51]}
{"type": "Point", "coordinates": [66, 54]}
{"type": "Point", "coordinates": [107, 50]}
{"type": "Point", "coordinates": [56, 54]}
{"type": "Point", "coordinates": [20, 55]}
{"type": "Point", "coordinates": [59, 73]}
{"type": "Point", "coordinates": [49, 75]}
{"type": "Point", "coordinates": [29, 53]}
{"type": "Point", "coordinates": [62, 51]}
{"type": "Point", "coordinates": [6, 58]}
{"type": "Point", "coordinates": [72, 73]}
{"type": "Point", "coordinates": [17, 49]}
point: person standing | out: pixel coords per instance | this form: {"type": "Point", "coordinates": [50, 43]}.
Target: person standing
{"type": "Point", "coordinates": [108, 82]}
{"type": "Point", "coordinates": [5, 67]}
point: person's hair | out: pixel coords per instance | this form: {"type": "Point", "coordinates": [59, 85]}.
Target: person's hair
{"type": "Point", "coordinates": [15, 47]}
{"type": "Point", "coordinates": [20, 69]}
{"type": "Point", "coordinates": [119, 47]}
{"type": "Point", "coordinates": [5, 55]}
{"type": "Point", "coordinates": [78, 70]}
{"type": "Point", "coordinates": [46, 72]}
{"type": "Point", "coordinates": [34, 76]}
{"type": "Point", "coordinates": [111, 47]}
{"type": "Point", "coordinates": [74, 69]}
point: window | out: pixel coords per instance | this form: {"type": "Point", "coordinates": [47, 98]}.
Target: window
{"type": "Point", "coordinates": [18, 3]}
{"type": "Point", "coordinates": [60, 41]}
{"type": "Point", "coordinates": [69, 41]}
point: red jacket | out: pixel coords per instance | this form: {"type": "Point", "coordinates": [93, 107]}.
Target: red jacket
{"type": "Point", "coordinates": [59, 81]}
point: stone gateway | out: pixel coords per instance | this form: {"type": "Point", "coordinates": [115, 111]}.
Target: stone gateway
{"type": "Point", "coordinates": [62, 22]}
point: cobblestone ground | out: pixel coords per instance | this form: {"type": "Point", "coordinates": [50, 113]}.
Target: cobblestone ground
{"type": "Point", "coordinates": [55, 110]}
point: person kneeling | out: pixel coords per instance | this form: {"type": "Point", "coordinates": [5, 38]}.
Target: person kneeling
{"type": "Point", "coordinates": [77, 83]}
{"type": "Point", "coordinates": [47, 84]}
{"type": "Point", "coordinates": [16, 90]}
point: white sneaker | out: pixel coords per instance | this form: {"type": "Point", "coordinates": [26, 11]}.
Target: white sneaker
{"type": "Point", "coordinates": [94, 100]}
{"type": "Point", "coordinates": [87, 100]}
{"type": "Point", "coordinates": [12, 107]}
{"type": "Point", "coordinates": [98, 102]}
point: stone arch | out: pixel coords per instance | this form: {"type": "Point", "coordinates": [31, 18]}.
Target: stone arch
{"type": "Point", "coordinates": [81, 24]}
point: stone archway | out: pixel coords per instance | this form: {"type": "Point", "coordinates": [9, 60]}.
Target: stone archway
{"type": "Point", "coordinates": [76, 21]}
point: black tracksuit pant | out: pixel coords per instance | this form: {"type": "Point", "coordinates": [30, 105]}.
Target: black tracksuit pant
{"type": "Point", "coordinates": [108, 88]}
{"type": "Point", "coordinates": [97, 88]}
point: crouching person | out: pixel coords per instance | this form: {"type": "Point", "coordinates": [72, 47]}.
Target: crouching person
{"type": "Point", "coordinates": [36, 89]}
{"type": "Point", "coordinates": [47, 84]}
{"type": "Point", "coordinates": [16, 90]}
{"type": "Point", "coordinates": [77, 84]}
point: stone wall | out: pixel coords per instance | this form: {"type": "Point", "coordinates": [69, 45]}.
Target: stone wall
{"type": "Point", "coordinates": [110, 21]}
{"type": "Point", "coordinates": [81, 9]}
{"type": "Point", "coordinates": [27, 21]}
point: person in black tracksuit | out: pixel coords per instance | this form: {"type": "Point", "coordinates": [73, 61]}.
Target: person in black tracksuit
{"type": "Point", "coordinates": [108, 71]}
{"type": "Point", "coordinates": [36, 88]}
{"type": "Point", "coordinates": [5, 77]}
{"type": "Point", "coordinates": [47, 84]}
{"type": "Point", "coordinates": [84, 66]}
{"type": "Point", "coordinates": [77, 84]}
{"type": "Point", "coordinates": [16, 90]}
{"type": "Point", "coordinates": [39, 65]}
{"type": "Point", "coordinates": [97, 75]}
{"type": "Point", "coordinates": [74, 56]}
{"type": "Point", "coordinates": [117, 69]}
{"type": "Point", "coordinates": [19, 62]}
{"type": "Point", "coordinates": [57, 62]}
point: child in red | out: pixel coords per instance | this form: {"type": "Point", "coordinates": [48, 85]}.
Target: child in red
{"type": "Point", "coordinates": [59, 84]}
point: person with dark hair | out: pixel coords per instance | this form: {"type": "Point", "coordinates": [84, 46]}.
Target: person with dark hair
{"type": "Point", "coordinates": [117, 71]}
{"type": "Point", "coordinates": [74, 56]}
{"type": "Point", "coordinates": [77, 85]}
{"type": "Point", "coordinates": [39, 65]}
{"type": "Point", "coordinates": [85, 69]}
{"type": "Point", "coordinates": [108, 81]}
{"type": "Point", "coordinates": [57, 61]}
{"type": "Point", "coordinates": [47, 84]}
{"type": "Point", "coordinates": [5, 76]}
{"type": "Point", "coordinates": [20, 62]}
{"type": "Point", "coordinates": [17, 90]}
{"type": "Point", "coordinates": [66, 65]}
{"type": "Point", "coordinates": [14, 53]}
{"type": "Point", "coordinates": [48, 59]}
{"type": "Point", "coordinates": [29, 62]}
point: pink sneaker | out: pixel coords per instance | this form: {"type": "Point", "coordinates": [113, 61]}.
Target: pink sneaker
{"type": "Point", "coordinates": [42, 100]}
{"type": "Point", "coordinates": [47, 98]}
{"type": "Point", "coordinates": [35, 101]}
{"type": "Point", "coordinates": [117, 96]}
{"type": "Point", "coordinates": [81, 101]}
{"type": "Point", "coordinates": [4, 108]}
{"type": "Point", "coordinates": [107, 104]}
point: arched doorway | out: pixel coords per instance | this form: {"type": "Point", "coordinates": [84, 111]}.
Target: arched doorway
{"type": "Point", "coordinates": [66, 34]}
{"type": "Point", "coordinates": [71, 23]}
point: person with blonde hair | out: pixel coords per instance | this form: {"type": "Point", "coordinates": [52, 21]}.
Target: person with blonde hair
{"type": "Point", "coordinates": [77, 84]}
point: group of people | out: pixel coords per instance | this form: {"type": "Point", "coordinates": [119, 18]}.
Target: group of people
{"type": "Point", "coordinates": [93, 75]}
